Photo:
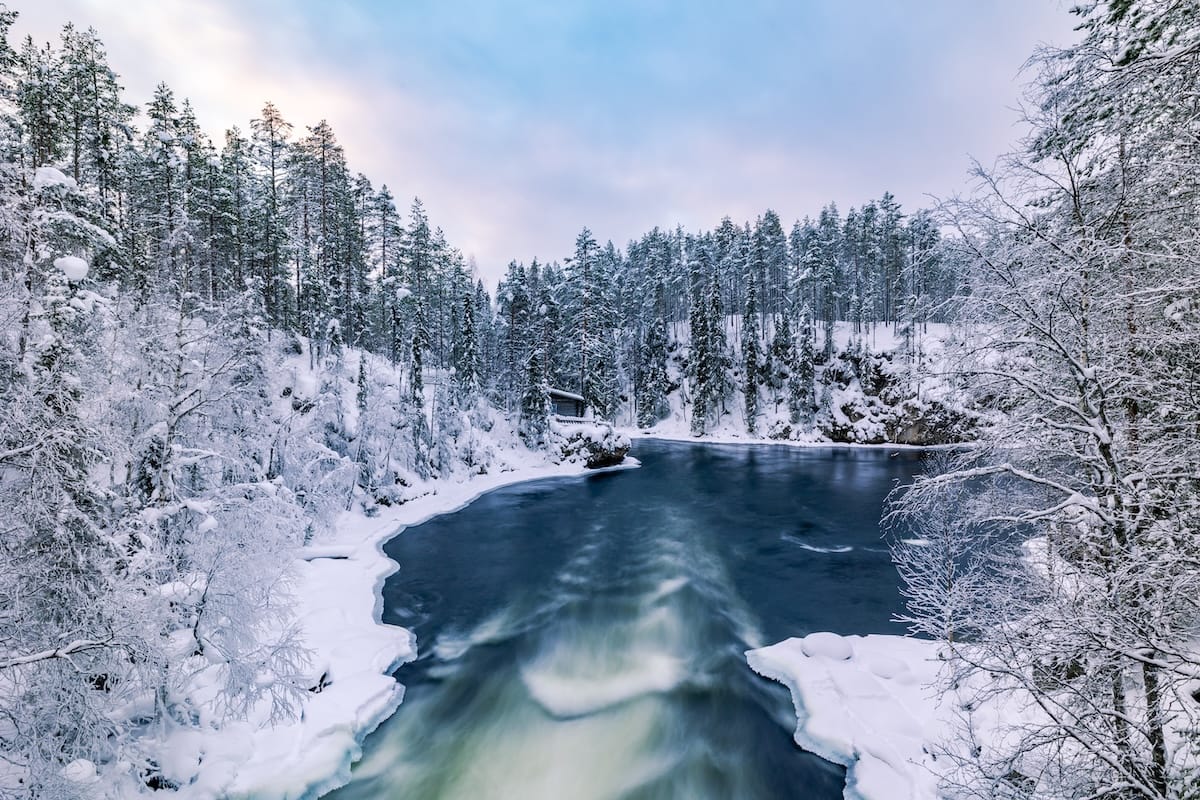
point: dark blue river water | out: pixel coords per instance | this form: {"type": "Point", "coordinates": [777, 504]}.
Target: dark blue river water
{"type": "Point", "coordinates": [584, 638]}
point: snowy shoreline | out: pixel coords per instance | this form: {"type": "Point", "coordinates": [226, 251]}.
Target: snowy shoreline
{"type": "Point", "coordinates": [727, 438]}
{"type": "Point", "coordinates": [338, 588]}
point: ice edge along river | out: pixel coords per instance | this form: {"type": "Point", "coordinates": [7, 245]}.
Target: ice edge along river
{"type": "Point", "coordinates": [339, 589]}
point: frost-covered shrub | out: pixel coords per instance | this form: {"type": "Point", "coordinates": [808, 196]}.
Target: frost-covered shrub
{"type": "Point", "coordinates": [461, 445]}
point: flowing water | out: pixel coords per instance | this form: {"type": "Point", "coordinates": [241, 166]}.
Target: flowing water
{"type": "Point", "coordinates": [584, 639]}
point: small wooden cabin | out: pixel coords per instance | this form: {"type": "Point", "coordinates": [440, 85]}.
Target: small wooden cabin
{"type": "Point", "coordinates": [566, 404]}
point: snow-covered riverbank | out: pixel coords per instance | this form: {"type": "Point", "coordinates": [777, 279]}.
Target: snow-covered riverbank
{"type": "Point", "coordinates": [353, 653]}
{"type": "Point", "coordinates": [866, 702]}
{"type": "Point", "coordinates": [676, 435]}
{"type": "Point", "coordinates": [882, 707]}
{"type": "Point", "coordinates": [337, 587]}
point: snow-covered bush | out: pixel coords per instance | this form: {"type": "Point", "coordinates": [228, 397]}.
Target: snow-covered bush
{"type": "Point", "coordinates": [596, 445]}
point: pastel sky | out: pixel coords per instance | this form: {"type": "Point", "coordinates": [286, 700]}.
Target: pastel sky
{"type": "Point", "coordinates": [519, 122]}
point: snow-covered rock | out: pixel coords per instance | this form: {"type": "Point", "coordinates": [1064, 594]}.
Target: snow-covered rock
{"type": "Point", "coordinates": [596, 444]}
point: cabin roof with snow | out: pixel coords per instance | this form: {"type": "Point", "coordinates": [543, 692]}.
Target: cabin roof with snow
{"type": "Point", "coordinates": [559, 394]}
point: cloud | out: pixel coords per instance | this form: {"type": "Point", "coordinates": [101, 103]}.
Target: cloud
{"type": "Point", "coordinates": [519, 123]}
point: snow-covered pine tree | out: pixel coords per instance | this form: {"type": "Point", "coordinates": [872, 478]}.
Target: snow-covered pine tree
{"type": "Point", "coordinates": [709, 357]}
{"type": "Point", "coordinates": [801, 400]}
{"type": "Point", "coordinates": [752, 360]}
{"type": "Point", "coordinates": [654, 381]}
{"type": "Point", "coordinates": [160, 211]}
{"type": "Point", "coordinates": [236, 197]}
{"type": "Point", "coordinates": [826, 267]}
{"type": "Point", "coordinates": [270, 147]}
{"type": "Point", "coordinates": [893, 261]}
{"type": "Point", "coordinates": [383, 244]}
{"type": "Point", "coordinates": [699, 360]}
{"type": "Point", "coordinates": [98, 119]}
{"type": "Point", "coordinates": [465, 353]}
{"type": "Point", "coordinates": [39, 100]}
{"type": "Point", "coordinates": [771, 243]}
{"type": "Point", "coordinates": [514, 338]}
{"type": "Point", "coordinates": [535, 400]}
{"type": "Point", "coordinates": [487, 345]}
{"type": "Point", "coordinates": [591, 316]}
{"type": "Point", "coordinates": [782, 361]}
{"type": "Point", "coordinates": [718, 352]}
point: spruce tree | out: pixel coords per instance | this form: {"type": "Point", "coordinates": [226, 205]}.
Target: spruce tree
{"type": "Point", "coordinates": [361, 396]}
{"type": "Point", "coordinates": [699, 358]}
{"type": "Point", "coordinates": [654, 382]}
{"type": "Point", "coordinates": [514, 316]}
{"type": "Point", "coordinates": [752, 366]}
{"type": "Point", "coordinates": [800, 382]}
{"type": "Point", "coordinates": [465, 355]}
{"type": "Point", "coordinates": [39, 100]}
{"type": "Point", "coordinates": [535, 401]}
{"type": "Point", "coordinates": [782, 361]}
{"type": "Point", "coordinates": [270, 146]}
{"type": "Point", "coordinates": [720, 360]}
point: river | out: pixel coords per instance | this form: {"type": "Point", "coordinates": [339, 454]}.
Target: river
{"type": "Point", "coordinates": [583, 638]}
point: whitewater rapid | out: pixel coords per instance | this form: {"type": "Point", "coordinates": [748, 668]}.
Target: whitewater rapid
{"type": "Point", "coordinates": [599, 701]}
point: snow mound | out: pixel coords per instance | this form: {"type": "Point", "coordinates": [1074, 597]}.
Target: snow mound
{"type": "Point", "coordinates": [49, 177]}
{"type": "Point", "coordinates": [74, 267]}
{"type": "Point", "coordinates": [80, 771]}
{"type": "Point", "coordinates": [827, 645]}
{"type": "Point", "coordinates": [864, 702]}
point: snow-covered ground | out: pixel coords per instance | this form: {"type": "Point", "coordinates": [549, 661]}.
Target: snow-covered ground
{"type": "Point", "coordinates": [353, 653]}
